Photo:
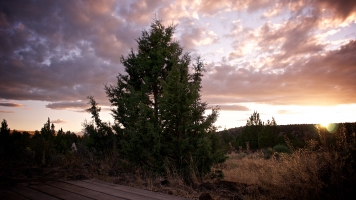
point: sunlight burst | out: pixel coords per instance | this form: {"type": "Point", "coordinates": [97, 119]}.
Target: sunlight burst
{"type": "Point", "coordinates": [324, 124]}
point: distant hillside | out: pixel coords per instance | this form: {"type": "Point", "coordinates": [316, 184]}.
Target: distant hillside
{"type": "Point", "coordinates": [298, 130]}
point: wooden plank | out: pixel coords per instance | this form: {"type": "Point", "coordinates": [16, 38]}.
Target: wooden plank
{"type": "Point", "coordinates": [10, 195]}
{"type": "Point", "coordinates": [109, 190]}
{"type": "Point", "coordinates": [84, 191]}
{"type": "Point", "coordinates": [59, 193]}
{"type": "Point", "coordinates": [146, 193]}
{"type": "Point", "coordinates": [32, 193]}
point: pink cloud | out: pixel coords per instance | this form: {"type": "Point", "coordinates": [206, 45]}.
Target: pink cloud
{"type": "Point", "coordinates": [58, 121]}
{"type": "Point", "coordinates": [6, 111]}
{"type": "Point", "coordinates": [320, 80]}
{"type": "Point", "coordinates": [68, 105]}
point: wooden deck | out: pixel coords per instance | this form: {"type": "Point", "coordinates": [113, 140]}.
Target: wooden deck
{"type": "Point", "coordinates": [80, 190]}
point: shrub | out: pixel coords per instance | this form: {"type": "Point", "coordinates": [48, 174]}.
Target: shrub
{"type": "Point", "coordinates": [267, 153]}
{"type": "Point", "coordinates": [280, 148]}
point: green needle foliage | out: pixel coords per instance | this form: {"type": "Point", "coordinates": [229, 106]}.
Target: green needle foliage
{"type": "Point", "coordinates": [258, 134]}
{"type": "Point", "coordinates": [157, 108]}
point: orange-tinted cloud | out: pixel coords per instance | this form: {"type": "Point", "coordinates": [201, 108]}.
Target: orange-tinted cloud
{"type": "Point", "coordinates": [6, 111]}
{"type": "Point", "coordinates": [9, 104]}
{"type": "Point", "coordinates": [320, 80]}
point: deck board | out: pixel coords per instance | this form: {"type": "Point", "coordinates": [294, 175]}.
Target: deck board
{"type": "Point", "coordinates": [31, 193]}
{"type": "Point", "coordinates": [81, 190]}
{"type": "Point", "coordinates": [109, 190]}
{"type": "Point", "coordinates": [146, 193]}
{"type": "Point", "coordinates": [10, 195]}
{"type": "Point", "coordinates": [84, 191]}
{"type": "Point", "coordinates": [59, 193]}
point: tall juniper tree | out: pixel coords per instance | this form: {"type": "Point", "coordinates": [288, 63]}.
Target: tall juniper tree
{"type": "Point", "coordinates": [157, 107]}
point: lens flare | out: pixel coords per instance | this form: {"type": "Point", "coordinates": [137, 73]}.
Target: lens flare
{"type": "Point", "coordinates": [325, 125]}
{"type": "Point", "coordinates": [330, 127]}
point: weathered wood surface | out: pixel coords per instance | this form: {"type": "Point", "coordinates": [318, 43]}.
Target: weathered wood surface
{"type": "Point", "coordinates": [81, 190]}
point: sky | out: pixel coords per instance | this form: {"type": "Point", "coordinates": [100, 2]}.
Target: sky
{"type": "Point", "coordinates": [294, 60]}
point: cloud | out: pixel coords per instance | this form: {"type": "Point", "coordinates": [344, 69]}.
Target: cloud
{"type": "Point", "coordinates": [58, 121]}
{"type": "Point", "coordinates": [6, 111]}
{"type": "Point", "coordinates": [341, 9]}
{"type": "Point", "coordinates": [325, 79]}
{"type": "Point", "coordinates": [64, 51]}
{"type": "Point", "coordinates": [285, 112]}
{"type": "Point", "coordinates": [8, 104]}
{"type": "Point", "coordinates": [61, 50]}
{"type": "Point", "coordinates": [233, 107]}
{"type": "Point", "coordinates": [197, 36]}
{"type": "Point", "coordinates": [68, 105]}
{"type": "Point", "coordinates": [211, 7]}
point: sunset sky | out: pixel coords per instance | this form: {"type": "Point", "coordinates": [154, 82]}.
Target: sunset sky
{"type": "Point", "coordinates": [294, 60]}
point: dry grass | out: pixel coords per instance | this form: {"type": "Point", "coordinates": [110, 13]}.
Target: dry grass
{"type": "Point", "coordinates": [244, 169]}
{"type": "Point", "coordinates": [305, 174]}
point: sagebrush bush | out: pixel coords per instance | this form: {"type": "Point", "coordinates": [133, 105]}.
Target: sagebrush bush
{"type": "Point", "coordinates": [267, 153]}
{"type": "Point", "coordinates": [280, 148]}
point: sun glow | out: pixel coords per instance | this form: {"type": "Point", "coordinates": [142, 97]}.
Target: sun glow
{"type": "Point", "coordinates": [330, 127]}
{"type": "Point", "coordinates": [324, 124]}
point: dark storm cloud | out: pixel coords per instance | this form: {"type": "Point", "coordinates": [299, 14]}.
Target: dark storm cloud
{"type": "Point", "coordinates": [7, 104]}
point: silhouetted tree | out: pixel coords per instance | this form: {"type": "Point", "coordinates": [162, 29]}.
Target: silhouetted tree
{"type": "Point", "coordinates": [102, 137]}
{"type": "Point", "coordinates": [257, 133]}
{"type": "Point", "coordinates": [269, 134]}
{"type": "Point", "coordinates": [47, 132]}
{"type": "Point", "coordinates": [157, 107]}
{"type": "Point", "coordinates": [4, 138]}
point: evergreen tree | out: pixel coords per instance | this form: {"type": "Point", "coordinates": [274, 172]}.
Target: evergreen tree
{"type": "Point", "coordinates": [254, 126]}
{"type": "Point", "coordinates": [47, 132]}
{"type": "Point", "coordinates": [157, 107]}
{"type": "Point", "coordinates": [254, 120]}
{"type": "Point", "coordinates": [268, 136]}
{"type": "Point", "coordinates": [257, 133]}
{"type": "Point", "coordinates": [4, 138]}
{"type": "Point", "coordinates": [102, 137]}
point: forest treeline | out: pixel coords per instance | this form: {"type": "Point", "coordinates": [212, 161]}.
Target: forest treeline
{"type": "Point", "coordinates": [42, 147]}
{"type": "Point", "coordinates": [39, 148]}
{"type": "Point", "coordinates": [258, 135]}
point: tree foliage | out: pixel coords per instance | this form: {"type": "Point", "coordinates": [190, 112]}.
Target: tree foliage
{"type": "Point", "coordinates": [101, 136]}
{"type": "Point", "coordinates": [157, 107]}
{"type": "Point", "coordinates": [4, 137]}
{"type": "Point", "coordinates": [257, 133]}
